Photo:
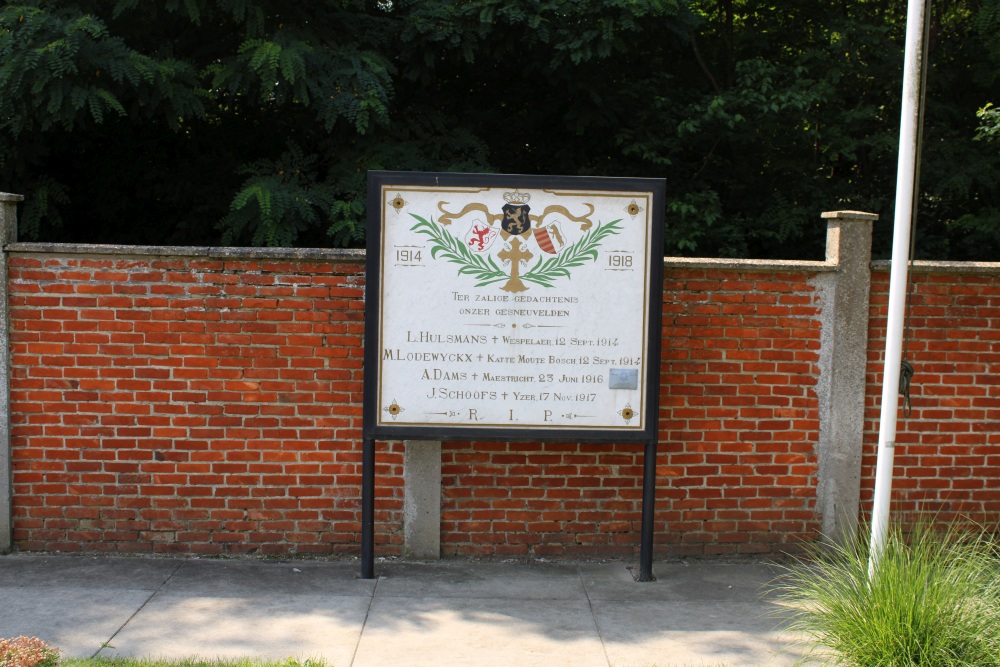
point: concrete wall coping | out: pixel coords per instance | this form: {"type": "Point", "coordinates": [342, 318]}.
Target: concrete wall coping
{"type": "Point", "coordinates": [102, 250]}
{"type": "Point", "coordinates": [749, 264]}
{"type": "Point", "coordinates": [358, 255]}
{"type": "Point", "coordinates": [924, 266]}
{"type": "Point", "coordinates": [6, 196]}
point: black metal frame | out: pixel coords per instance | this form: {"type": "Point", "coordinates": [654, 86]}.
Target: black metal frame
{"type": "Point", "coordinates": [372, 431]}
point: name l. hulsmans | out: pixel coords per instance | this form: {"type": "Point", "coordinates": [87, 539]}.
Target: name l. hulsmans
{"type": "Point", "coordinates": [428, 337]}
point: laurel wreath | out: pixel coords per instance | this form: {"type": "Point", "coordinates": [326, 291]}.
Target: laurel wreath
{"type": "Point", "coordinates": [486, 271]}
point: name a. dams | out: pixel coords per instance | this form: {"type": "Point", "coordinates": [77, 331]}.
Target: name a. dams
{"type": "Point", "coordinates": [438, 374]}
{"type": "Point", "coordinates": [428, 337]}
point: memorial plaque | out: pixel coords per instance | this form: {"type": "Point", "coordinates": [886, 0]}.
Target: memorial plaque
{"type": "Point", "coordinates": [513, 307]}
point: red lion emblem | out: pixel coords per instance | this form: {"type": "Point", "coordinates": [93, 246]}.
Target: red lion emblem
{"type": "Point", "coordinates": [480, 236]}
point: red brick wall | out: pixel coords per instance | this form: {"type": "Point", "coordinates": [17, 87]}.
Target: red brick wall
{"type": "Point", "coordinates": [739, 414]}
{"type": "Point", "coordinates": [189, 405]}
{"type": "Point", "coordinates": [206, 405]}
{"type": "Point", "coordinates": [534, 499]}
{"type": "Point", "coordinates": [210, 406]}
{"type": "Point", "coordinates": [947, 458]}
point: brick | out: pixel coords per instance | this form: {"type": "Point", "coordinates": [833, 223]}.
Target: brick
{"type": "Point", "coordinates": [738, 416]}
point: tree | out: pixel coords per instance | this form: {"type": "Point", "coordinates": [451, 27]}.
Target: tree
{"type": "Point", "coordinates": [254, 121]}
{"type": "Point", "coordinates": [126, 110]}
{"type": "Point", "coordinates": [800, 113]}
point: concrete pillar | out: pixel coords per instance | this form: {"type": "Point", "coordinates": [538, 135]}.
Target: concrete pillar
{"type": "Point", "coordinates": [8, 234]}
{"type": "Point", "coordinates": [422, 499]}
{"type": "Point", "coordinates": [843, 364]}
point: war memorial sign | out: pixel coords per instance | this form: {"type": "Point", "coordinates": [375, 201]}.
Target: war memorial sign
{"type": "Point", "coordinates": [512, 303]}
{"type": "Point", "coordinates": [510, 307]}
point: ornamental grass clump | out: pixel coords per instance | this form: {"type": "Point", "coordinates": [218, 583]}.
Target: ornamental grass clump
{"type": "Point", "coordinates": [24, 651]}
{"type": "Point", "coordinates": [934, 600]}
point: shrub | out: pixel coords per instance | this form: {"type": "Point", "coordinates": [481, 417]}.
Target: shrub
{"type": "Point", "coordinates": [24, 651]}
{"type": "Point", "coordinates": [933, 599]}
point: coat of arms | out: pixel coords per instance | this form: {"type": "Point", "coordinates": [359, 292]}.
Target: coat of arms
{"type": "Point", "coordinates": [524, 236]}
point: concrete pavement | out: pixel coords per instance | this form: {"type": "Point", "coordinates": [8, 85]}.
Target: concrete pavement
{"type": "Point", "coordinates": [450, 612]}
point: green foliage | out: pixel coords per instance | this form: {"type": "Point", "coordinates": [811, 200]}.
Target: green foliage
{"type": "Point", "coordinates": [934, 600]}
{"type": "Point", "coordinates": [64, 68]}
{"type": "Point", "coordinates": [989, 123]}
{"type": "Point", "coordinates": [976, 234]}
{"type": "Point", "coordinates": [172, 120]}
{"type": "Point", "coordinates": [175, 82]}
{"type": "Point", "coordinates": [281, 199]}
{"type": "Point", "coordinates": [49, 198]}
{"type": "Point", "coordinates": [569, 33]}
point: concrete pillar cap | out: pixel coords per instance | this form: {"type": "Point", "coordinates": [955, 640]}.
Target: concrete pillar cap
{"type": "Point", "coordinates": [849, 215]}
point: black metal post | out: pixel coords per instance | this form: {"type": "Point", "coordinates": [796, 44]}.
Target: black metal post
{"type": "Point", "coordinates": [648, 504]}
{"type": "Point", "coordinates": [368, 509]}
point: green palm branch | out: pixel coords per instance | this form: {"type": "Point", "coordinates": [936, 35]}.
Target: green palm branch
{"type": "Point", "coordinates": [545, 271]}
{"type": "Point", "coordinates": [450, 247]}
{"type": "Point", "coordinates": [484, 269]}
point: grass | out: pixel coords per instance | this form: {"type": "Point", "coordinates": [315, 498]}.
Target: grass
{"type": "Point", "coordinates": [934, 600]}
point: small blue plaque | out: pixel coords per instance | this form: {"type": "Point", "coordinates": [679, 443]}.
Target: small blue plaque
{"type": "Point", "coordinates": [623, 378]}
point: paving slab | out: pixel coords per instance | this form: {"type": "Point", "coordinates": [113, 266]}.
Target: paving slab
{"type": "Point", "coordinates": [680, 581]}
{"type": "Point", "coordinates": [53, 571]}
{"type": "Point", "coordinates": [245, 578]}
{"type": "Point", "coordinates": [695, 613]}
{"type": "Point", "coordinates": [273, 626]}
{"type": "Point", "coordinates": [76, 620]}
{"type": "Point", "coordinates": [266, 609]}
{"type": "Point", "coordinates": [481, 579]}
{"type": "Point", "coordinates": [692, 633]}
{"type": "Point", "coordinates": [436, 632]}
{"type": "Point", "coordinates": [75, 602]}
{"type": "Point", "coordinates": [441, 613]}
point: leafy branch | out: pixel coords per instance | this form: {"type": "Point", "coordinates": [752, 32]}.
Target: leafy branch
{"type": "Point", "coordinates": [989, 128]}
{"type": "Point", "coordinates": [451, 248]}
{"type": "Point", "coordinates": [486, 271]}
{"type": "Point", "coordinates": [547, 270]}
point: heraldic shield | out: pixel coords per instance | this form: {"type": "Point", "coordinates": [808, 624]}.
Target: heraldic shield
{"type": "Point", "coordinates": [550, 238]}
{"type": "Point", "coordinates": [515, 219]}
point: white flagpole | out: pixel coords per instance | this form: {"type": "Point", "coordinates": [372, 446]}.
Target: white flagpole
{"type": "Point", "coordinates": [905, 178]}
